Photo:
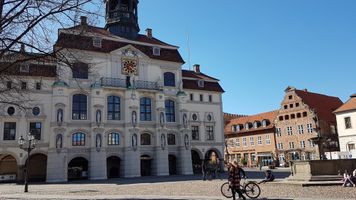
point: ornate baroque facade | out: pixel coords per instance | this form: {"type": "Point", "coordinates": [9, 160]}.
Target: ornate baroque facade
{"type": "Point", "coordinates": [126, 109]}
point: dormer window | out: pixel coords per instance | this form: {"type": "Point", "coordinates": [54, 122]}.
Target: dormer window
{"type": "Point", "coordinates": [201, 83]}
{"type": "Point", "coordinates": [238, 128]}
{"type": "Point", "coordinates": [25, 68]}
{"type": "Point", "coordinates": [156, 51]}
{"type": "Point", "coordinates": [247, 126]}
{"type": "Point", "coordinates": [97, 42]}
{"type": "Point", "coordinates": [264, 123]}
{"type": "Point", "coordinates": [255, 125]}
{"type": "Point", "coordinates": [233, 127]}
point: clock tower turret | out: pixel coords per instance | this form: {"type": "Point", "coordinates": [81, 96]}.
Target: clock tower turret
{"type": "Point", "coordinates": [121, 18]}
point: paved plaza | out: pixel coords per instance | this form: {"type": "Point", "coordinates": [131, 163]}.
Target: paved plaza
{"type": "Point", "coordinates": [176, 187]}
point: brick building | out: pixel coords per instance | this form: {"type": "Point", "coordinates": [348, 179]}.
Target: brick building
{"type": "Point", "coordinates": [250, 139]}
{"type": "Point", "coordinates": [306, 125]}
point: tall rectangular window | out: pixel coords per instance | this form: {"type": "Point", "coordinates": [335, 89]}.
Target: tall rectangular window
{"type": "Point", "coordinates": [348, 123]}
{"type": "Point", "coordinates": [311, 143]}
{"type": "Point", "coordinates": [210, 98]}
{"type": "Point", "coordinates": [310, 128]}
{"type": "Point", "coordinates": [114, 108]}
{"type": "Point", "coordinates": [145, 109]}
{"type": "Point", "coordinates": [302, 144]}
{"type": "Point", "coordinates": [35, 129]}
{"type": "Point", "coordinates": [289, 130]}
{"type": "Point", "coordinates": [237, 142]}
{"type": "Point", "coordinates": [191, 96]}
{"type": "Point", "coordinates": [259, 140]}
{"type": "Point", "coordinates": [278, 132]}
{"type": "Point", "coordinates": [79, 109]}
{"type": "Point", "coordinates": [268, 139]}
{"type": "Point", "coordinates": [291, 145]}
{"type": "Point", "coordinates": [252, 142]}
{"type": "Point", "coordinates": [244, 142]}
{"type": "Point", "coordinates": [23, 85]}
{"type": "Point", "coordinates": [8, 84]}
{"type": "Point", "coordinates": [10, 131]}
{"type": "Point", "coordinates": [195, 132]}
{"type": "Point", "coordinates": [38, 86]}
{"type": "Point", "coordinates": [280, 146]}
{"type": "Point", "coordinates": [201, 97]}
{"type": "Point", "coordinates": [210, 132]}
{"type": "Point", "coordinates": [170, 111]}
{"type": "Point", "coordinates": [300, 129]}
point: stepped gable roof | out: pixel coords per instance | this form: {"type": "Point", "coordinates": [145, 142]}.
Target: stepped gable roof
{"type": "Point", "coordinates": [85, 42]}
{"type": "Point", "coordinates": [270, 116]}
{"type": "Point", "coordinates": [190, 81]}
{"type": "Point", "coordinates": [348, 106]}
{"type": "Point", "coordinates": [322, 104]}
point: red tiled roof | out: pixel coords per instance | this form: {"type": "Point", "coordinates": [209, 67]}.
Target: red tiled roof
{"type": "Point", "coordinates": [34, 70]}
{"type": "Point", "coordinates": [104, 32]}
{"type": "Point", "coordinates": [86, 43]}
{"type": "Point", "coordinates": [270, 116]}
{"type": "Point", "coordinates": [322, 104]}
{"type": "Point", "coordinates": [208, 86]}
{"type": "Point", "coordinates": [193, 74]}
{"type": "Point", "coordinates": [349, 105]}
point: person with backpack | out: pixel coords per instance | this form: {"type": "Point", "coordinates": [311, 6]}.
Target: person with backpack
{"type": "Point", "coordinates": [235, 172]}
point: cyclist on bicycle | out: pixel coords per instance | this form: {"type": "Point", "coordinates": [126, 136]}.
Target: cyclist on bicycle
{"type": "Point", "coordinates": [235, 172]}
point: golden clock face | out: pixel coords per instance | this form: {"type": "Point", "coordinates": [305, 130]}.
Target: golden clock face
{"type": "Point", "coordinates": [129, 66]}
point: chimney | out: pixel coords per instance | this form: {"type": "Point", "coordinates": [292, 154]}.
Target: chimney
{"type": "Point", "coordinates": [22, 49]}
{"type": "Point", "coordinates": [83, 20]}
{"type": "Point", "coordinates": [149, 32]}
{"type": "Point", "coordinates": [196, 68]}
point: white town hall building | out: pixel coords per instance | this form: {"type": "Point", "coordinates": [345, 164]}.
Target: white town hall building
{"type": "Point", "coordinates": [126, 109]}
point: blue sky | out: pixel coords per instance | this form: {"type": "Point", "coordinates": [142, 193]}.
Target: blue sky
{"type": "Point", "coordinates": [259, 47]}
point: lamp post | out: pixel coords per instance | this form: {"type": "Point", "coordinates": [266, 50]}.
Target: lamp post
{"type": "Point", "coordinates": [31, 142]}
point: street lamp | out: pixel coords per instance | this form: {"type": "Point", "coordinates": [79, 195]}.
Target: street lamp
{"type": "Point", "coordinates": [31, 145]}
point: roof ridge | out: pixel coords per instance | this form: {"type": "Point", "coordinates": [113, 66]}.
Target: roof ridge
{"type": "Point", "coordinates": [317, 93]}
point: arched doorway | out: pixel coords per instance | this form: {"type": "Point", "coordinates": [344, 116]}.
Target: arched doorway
{"type": "Point", "coordinates": [8, 166]}
{"type": "Point", "coordinates": [78, 169]}
{"type": "Point", "coordinates": [172, 160]}
{"type": "Point", "coordinates": [37, 168]}
{"type": "Point", "coordinates": [196, 162]}
{"type": "Point", "coordinates": [113, 166]}
{"type": "Point", "coordinates": [146, 162]}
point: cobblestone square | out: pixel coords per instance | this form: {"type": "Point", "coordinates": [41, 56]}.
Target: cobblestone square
{"type": "Point", "coordinates": [179, 187]}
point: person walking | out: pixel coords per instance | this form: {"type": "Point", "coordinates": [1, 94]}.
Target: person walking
{"type": "Point", "coordinates": [235, 172]}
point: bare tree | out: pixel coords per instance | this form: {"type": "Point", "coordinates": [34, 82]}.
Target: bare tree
{"type": "Point", "coordinates": [28, 29]}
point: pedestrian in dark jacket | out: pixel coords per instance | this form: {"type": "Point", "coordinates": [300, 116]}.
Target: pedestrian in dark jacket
{"type": "Point", "coordinates": [235, 173]}
{"type": "Point", "coordinates": [268, 178]}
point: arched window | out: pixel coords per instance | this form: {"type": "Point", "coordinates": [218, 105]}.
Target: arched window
{"type": "Point", "coordinates": [113, 108]}
{"type": "Point", "coordinates": [79, 111]}
{"type": "Point", "coordinates": [114, 139]}
{"type": "Point", "coordinates": [171, 139]}
{"type": "Point", "coordinates": [145, 139]}
{"type": "Point", "coordinates": [145, 109]}
{"type": "Point", "coordinates": [78, 139]}
{"type": "Point", "coordinates": [170, 111]}
{"type": "Point", "coordinates": [169, 79]}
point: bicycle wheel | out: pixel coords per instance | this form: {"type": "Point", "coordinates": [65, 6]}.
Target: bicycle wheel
{"type": "Point", "coordinates": [252, 190]}
{"type": "Point", "coordinates": [226, 190]}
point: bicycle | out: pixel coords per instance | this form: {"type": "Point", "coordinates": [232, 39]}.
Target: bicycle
{"type": "Point", "coordinates": [250, 188]}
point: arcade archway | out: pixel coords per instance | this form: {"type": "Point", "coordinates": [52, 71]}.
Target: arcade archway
{"type": "Point", "coordinates": [37, 168]}
{"type": "Point", "coordinates": [78, 169]}
{"type": "Point", "coordinates": [196, 162]}
{"type": "Point", "coordinates": [113, 166]}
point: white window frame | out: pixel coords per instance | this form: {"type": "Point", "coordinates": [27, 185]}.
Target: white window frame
{"type": "Point", "coordinates": [300, 129]}
{"type": "Point", "coordinates": [156, 51]}
{"type": "Point", "coordinates": [289, 130]}
{"type": "Point", "coordinates": [237, 142]}
{"type": "Point", "coordinates": [291, 145]}
{"type": "Point", "coordinates": [252, 141]}
{"type": "Point", "coordinates": [310, 128]}
{"type": "Point", "coordinates": [97, 42]}
{"type": "Point", "coordinates": [268, 139]}
{"type": "Point", "coordinates": [302, 144]}
{"type": "Point", "coordinates": [244, 142]}
{"type": "Point", "coordinates": [259, 140]}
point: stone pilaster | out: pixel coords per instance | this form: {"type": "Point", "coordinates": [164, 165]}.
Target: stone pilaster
{"type": "Point", "coordinates": [57, 166]}
{"type": "Point", "coordinates": [97, 164]}
{"type": "Point", "coordinates": [132, 164]}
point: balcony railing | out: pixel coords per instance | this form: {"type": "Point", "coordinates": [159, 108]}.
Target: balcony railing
{"type": "Point", "coordinates": [121, 83]}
